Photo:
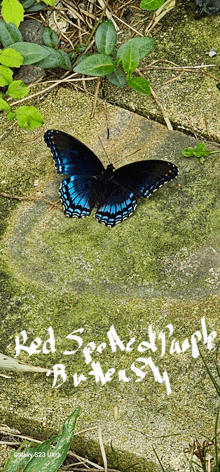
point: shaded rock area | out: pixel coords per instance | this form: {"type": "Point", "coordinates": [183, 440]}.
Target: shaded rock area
{"type": "Point", "coordinates": [139, 292]}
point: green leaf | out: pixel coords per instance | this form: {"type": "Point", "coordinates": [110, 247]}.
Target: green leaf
{"type": "Point", "coordinates": [12, 12]}
{"type": "Point", "coordinates": [31, 52]}
{"type": "Point", "coordinates": [10, 57]}
{"type": "Point", "coordinates": [29, 117]}
{"type": "Point", "coordinates": [151, 4]}
{"type": "Point", "coordinates": [80, 47]}
{"type": "Point", "coordinates": [50, 37]}
{"type": "Point", "coordinates": [95, 65]}
{"type": "Point", "coordinates": [4, 105]}
{"type": "Point", "coordinates": [9, 34]}
{"type": "Point", "coordinates": [17, 89]}
{"type": "Point", "coordinates": [105, 37]}
{"type": "Point", "coordinates": [206, 153]}
{"type": "Point", "coordinates": [5, 76]}
{"type": "Point", "coordinates": [117, 78]}
{"type": "Point", "coordinates": [144, 45]}
{"type": "Point", "coordinates": [11, 115]}
{"type": "Point", "coordinates": [72, 55]}
{"type": "Point", "coordinates": [50, 2]}
{"type": "Point", "coordinates": [199, 147]}
{"type": "Point", "coordinates": [48, 456]}
{"type": "Point", "coordinates": [55, 59]}
{"type": "Point", "coordinates": [201, 153]}
{"type": "Point", "coordinates": [32, 5]}
{"type": "Point", "coordinates": [140, 84]}
{"type": "Point", "coordinates": [188, 152]}
{"type": "Point", "coordinates": [128, 55]}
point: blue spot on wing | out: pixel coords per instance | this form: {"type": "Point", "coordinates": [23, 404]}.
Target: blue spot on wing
{"type": "Point", "coordinates": [114, 192]}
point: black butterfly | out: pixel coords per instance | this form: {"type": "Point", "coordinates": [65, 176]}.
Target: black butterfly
{"type": "Point", "coordinates": [114, 192]}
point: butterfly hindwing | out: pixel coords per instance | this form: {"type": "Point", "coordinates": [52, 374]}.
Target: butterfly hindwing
{"type": "Point", "coordinates": [74, 194]}
{"type": "Point", "coordinates": [119, 204]}
{"type": "Point", "coordinates": [70, 155]}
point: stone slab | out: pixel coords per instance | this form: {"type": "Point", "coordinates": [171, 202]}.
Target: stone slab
{"type": "Point", "coordinates": [157, 270]}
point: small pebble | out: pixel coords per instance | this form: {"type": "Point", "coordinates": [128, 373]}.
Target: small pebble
{"type": "Point", "coordinates": [212, 53]}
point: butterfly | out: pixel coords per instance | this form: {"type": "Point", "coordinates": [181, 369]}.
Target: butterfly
{"type": "Point", "coordinates": [113, 191]}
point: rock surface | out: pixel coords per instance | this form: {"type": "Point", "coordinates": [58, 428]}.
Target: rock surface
{"type": "Point", "coordinates": [157, 270]}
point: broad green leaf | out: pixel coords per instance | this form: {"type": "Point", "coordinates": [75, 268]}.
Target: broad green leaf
{"type": "Point", "coordinates": [55, 58]}
{"type": "Point", "coordinates": [17, 89]}
{"type": "Point", "coordinates": [117, 78]}
{"type": "Point", "coordinates": [105, 37]}
{"type": "Point", "coordinates": [140, 84]}
{"type": "Point", "coordinates": [187, 152]}
{"type": "Point", "coordinates": [31, 52]}
{"type": "Point", "coordinates": [9, 34]}
{"type": "Point", "coordinates": [29, 117]}
{"type": "Point", "coordinates": [5, 76]}
{"type": "Point", "coordinates": [50, 37]}
{"type": "Point", "coordinates": [18, 462]}
{"type": "Point", "coordinates": [96, 65]}
{"type": "Point", "coordinates": [4, 105]}
{"type": "Point", "coordinates": [128, 56]}
{"type": "Point", "coordinates": [12, 12]}
{"type": "Point", "coordinates": [144, 45]}
{"type": "Point", "coordinates": [151, 4]}
{"type": "Point", "coordinates": [10, 57]}
{"type": "Point", "coordinates": [48, 456]}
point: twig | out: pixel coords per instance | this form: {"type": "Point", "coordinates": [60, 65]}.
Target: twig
{"type": "Point", "coordinates": [27, 199]}
{"type": "Point", "coordinates": [102, 449]}
{"type": "Point", "coordinates": [95, 97]}
{"type": "Point", "coordinates": [178, 77]}
{"type": "Point", "coordinates": [186, 68]}
{"type": "Point", "coordinates": [108, 14]}
{"type": "Point", "coordinates": [128, 26]}
{"type": "Point", "coordinates": [159, 104]}
{"type": "Point", "coordinates": [7, 130]}
{"type": "Point", "coordinates": [164, 113]}
{"type": "Point", "coordinates": [58, 82]}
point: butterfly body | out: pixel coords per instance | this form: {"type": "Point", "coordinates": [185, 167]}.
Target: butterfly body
{"type": "Point", "coordinates": [113, 191]}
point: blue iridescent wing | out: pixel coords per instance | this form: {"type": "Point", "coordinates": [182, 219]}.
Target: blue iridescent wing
{"type": "Point", "coordinates": [78, 192]}
{"type": "Point", "coordinates": [70, 155]}
{"type": "Point", "coordinates": [79, 195]}
{"type": "Point", "coordinates": [144, 177]}
{"type": "Point", "coordinates": [115, 204]}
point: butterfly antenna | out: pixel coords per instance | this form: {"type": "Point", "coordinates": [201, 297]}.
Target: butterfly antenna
{"type": "Point", "coordinates": [125, 157]}
{"type": "Point", "coordinates": [104, 150]}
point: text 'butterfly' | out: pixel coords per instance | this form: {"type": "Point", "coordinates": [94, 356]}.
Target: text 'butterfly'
{"type": "Point", "coordinates": [113, 191]}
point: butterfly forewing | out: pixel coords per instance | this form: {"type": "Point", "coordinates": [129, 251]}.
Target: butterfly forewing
{"type": "Point", "coordinates": [144, 177]}
{"type": "Point", "coordinates": [71, 156]}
